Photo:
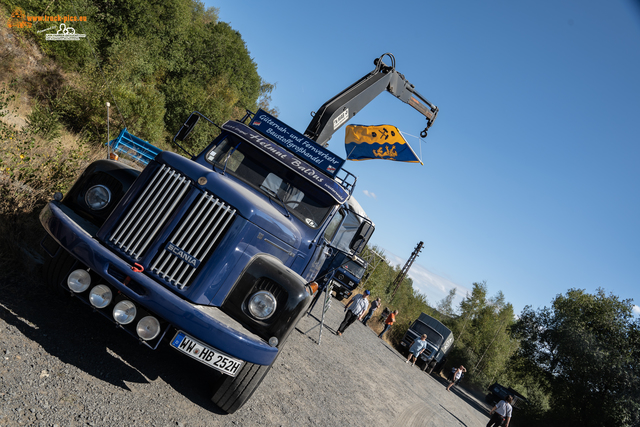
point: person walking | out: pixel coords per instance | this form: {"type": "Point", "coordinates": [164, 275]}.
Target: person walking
{"type": "Point", "coordinates": [501, 413]}
{"type": "Point", "coordinates": [456, 376]}
{"type": "Point", "coordinates": [387, 323]}
{"type": "Point", "coordinates": [355, 309]}
{"type": "Point", "coordinates": [416, 349]}
{"type": "Point", "coordinates": [374, 306]}
{"type": "Point", "coordinates": [452, 373]}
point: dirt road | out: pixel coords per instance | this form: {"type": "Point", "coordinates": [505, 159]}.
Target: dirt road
{"type": "Point", "coordinates": [61, 365]}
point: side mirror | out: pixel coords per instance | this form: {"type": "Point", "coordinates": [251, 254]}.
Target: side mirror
{"type": "Point", "coordinates": [187, 127]}
{"type": "Point", "coordinates": [362, 236]}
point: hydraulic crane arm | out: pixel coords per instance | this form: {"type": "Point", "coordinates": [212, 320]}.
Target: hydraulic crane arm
{"type": "Point", "coordinates": [339, 109]}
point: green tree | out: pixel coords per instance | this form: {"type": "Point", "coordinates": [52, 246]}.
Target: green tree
{"type": "Point", "coordinates": [585, 351]}
{"type": "Point", "coordinates": [445, 306]}
{"type": "Point", "coordinates": [155, 62]}
{"type": "Point", "coordinates": [483, 338]}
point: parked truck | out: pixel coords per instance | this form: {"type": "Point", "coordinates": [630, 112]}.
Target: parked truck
{"type": "Point", "coordinates": [345, 274]}
{"type": "Point", "coordinates": [439, 342]}
{"type": "Point", "coordinates": [498, 392]}
{"type": "Point", "coordinates": [213, 255]}
{"type": "Point", "coordinates": [345, 268]}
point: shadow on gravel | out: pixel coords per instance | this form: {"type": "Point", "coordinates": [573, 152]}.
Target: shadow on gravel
{"type": "Point", "coordinates": [463, 395]}
{"type": "Point", "coordinates": [313, 333]}
{"type": "Point", "coordinates": [392, 350]}
{"type": "Point", "coordinates": [470, 401]}
{"type": "Point", "coordinates": [67, 329]}
{"type": "Point", "coordinates": [453, 415]}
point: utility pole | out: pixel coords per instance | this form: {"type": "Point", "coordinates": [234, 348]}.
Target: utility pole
{"type": "Point", "coordinates": [405, 269]}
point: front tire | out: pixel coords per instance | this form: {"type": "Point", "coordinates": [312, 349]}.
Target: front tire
{"type": "Point", "coordinates": [56, 269]}
{"type": "Point", "coordinates": [232, 392]}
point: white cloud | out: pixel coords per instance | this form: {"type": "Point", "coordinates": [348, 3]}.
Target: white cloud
{"type": "Point", "coordinates": [636, 310]}
{"type": "Point", "coordinates": [433, 286]}
{"type": "Point", "coordinates": [369, 194]}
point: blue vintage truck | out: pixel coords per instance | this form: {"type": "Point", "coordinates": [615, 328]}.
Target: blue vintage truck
{"type": "Point", "coordinates": [347, 274]}
{"type": "Point", "coordinates": [214, 255]}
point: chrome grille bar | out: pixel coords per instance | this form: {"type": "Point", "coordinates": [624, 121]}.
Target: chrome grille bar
{"type": "Point", "coordinates": [198, 233]}
{"type": "Point", "coordinates": [149, 213]}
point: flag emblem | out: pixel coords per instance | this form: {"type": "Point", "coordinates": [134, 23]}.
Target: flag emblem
{"type": "Point", "coordinates": [378, 142]}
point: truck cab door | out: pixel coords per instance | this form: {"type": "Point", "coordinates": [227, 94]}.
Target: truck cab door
{"type": "Point", "coordinates": [324, 248]}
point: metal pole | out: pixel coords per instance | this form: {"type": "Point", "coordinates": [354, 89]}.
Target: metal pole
{"type": "Point", "coordinates": [108, 137]}
{"type": "Point", "coordinates": [327, 304]}
{"type": "Point", "coordinates": [325, 307]}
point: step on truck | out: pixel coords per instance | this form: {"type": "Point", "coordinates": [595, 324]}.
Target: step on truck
{"type": "Point", "coordinates": [439, 342]}
{"type": "Point", "coordinates": [213, 255]}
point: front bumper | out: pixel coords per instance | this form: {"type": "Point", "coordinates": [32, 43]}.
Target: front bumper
{"type": "Point", "coordinates": [341, 290]}
{"type": "Point", "coordinates": [206, 323]}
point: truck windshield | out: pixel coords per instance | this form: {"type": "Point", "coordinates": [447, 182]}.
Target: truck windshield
{"type": "Point", "coordinates": [354, 268]}
{"type": "Point", "coordinates": [432, 335]}
{"type": "Point", "coordinates": [284, 186]}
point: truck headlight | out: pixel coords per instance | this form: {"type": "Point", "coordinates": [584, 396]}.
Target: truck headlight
{"type": "Point", "coordinates": [124, 312]}
{"type": "Point", "coordinates": [79, 281]}
{"type": "Point", "coordinates": [100, 296]}
{"type": "Point", "coordinates": [148, 328]}
{"type": "Point", "coordinates": [97, 197]}
{"type": "Point", "coordinates": [262, 305]}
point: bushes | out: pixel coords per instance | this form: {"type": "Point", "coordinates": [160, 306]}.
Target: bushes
{"type": "Point", "coordinates": [35, 162]}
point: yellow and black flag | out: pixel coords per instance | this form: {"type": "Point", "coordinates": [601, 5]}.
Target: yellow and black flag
{"type": "Point", "coordinates": [378, 142]}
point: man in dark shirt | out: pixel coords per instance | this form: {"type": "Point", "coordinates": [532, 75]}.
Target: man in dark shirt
{"type": "Point", "coordinates": [374, 306]}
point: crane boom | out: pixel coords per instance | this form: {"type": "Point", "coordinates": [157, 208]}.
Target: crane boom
{"type": "Point", "coordinates": [339, 109]}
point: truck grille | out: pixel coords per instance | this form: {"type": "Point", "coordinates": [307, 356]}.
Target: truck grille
{"type": "Point", "coordinates": [196, 235]}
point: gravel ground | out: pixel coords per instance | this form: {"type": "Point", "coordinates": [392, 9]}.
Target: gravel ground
{"type": "Point", "coordinates": [62, 365]}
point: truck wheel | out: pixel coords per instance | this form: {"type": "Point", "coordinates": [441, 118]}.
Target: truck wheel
{"type": "Point", "coordinates": [55, 269]}
{"type": "Point", "coordinates": [232, 392]}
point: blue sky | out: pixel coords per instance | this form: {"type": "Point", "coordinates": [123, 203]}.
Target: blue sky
{"type": "Point", "coordinates": [531, 171]}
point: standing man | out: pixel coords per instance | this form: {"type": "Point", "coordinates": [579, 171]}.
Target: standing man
{"type": "Point", "coordinates": [417, 348]}
{"type": "Point", "coordinates": [387, 323]}
{"type": "Point", "coordinates": [456, 376]}
{"type": "Point", "coordinates": [501, 412]}
{"type": "Point", "coordinates": [374, 307]}
{"type": "Point", "coordinates": [355, 308]}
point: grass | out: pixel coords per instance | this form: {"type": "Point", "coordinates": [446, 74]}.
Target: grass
{"type": "Point", "coordinates": [38, 156]}
{"type": "Point", "coordinates": [32, 168]}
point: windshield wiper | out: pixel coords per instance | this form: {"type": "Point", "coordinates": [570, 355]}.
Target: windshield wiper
{"type": "Point", "coordinates": [275, 194]}
{"type": "Point", "coordinates": [224, 169]}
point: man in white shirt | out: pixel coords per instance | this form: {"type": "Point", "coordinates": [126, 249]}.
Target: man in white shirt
{"type": "Point", "coordinates": [502, 411]}
{"type": "Point", "coordinates": [356, 309]}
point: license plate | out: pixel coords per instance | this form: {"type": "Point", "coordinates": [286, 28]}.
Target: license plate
{"type": "Point", "coordinates": [205, 354]}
